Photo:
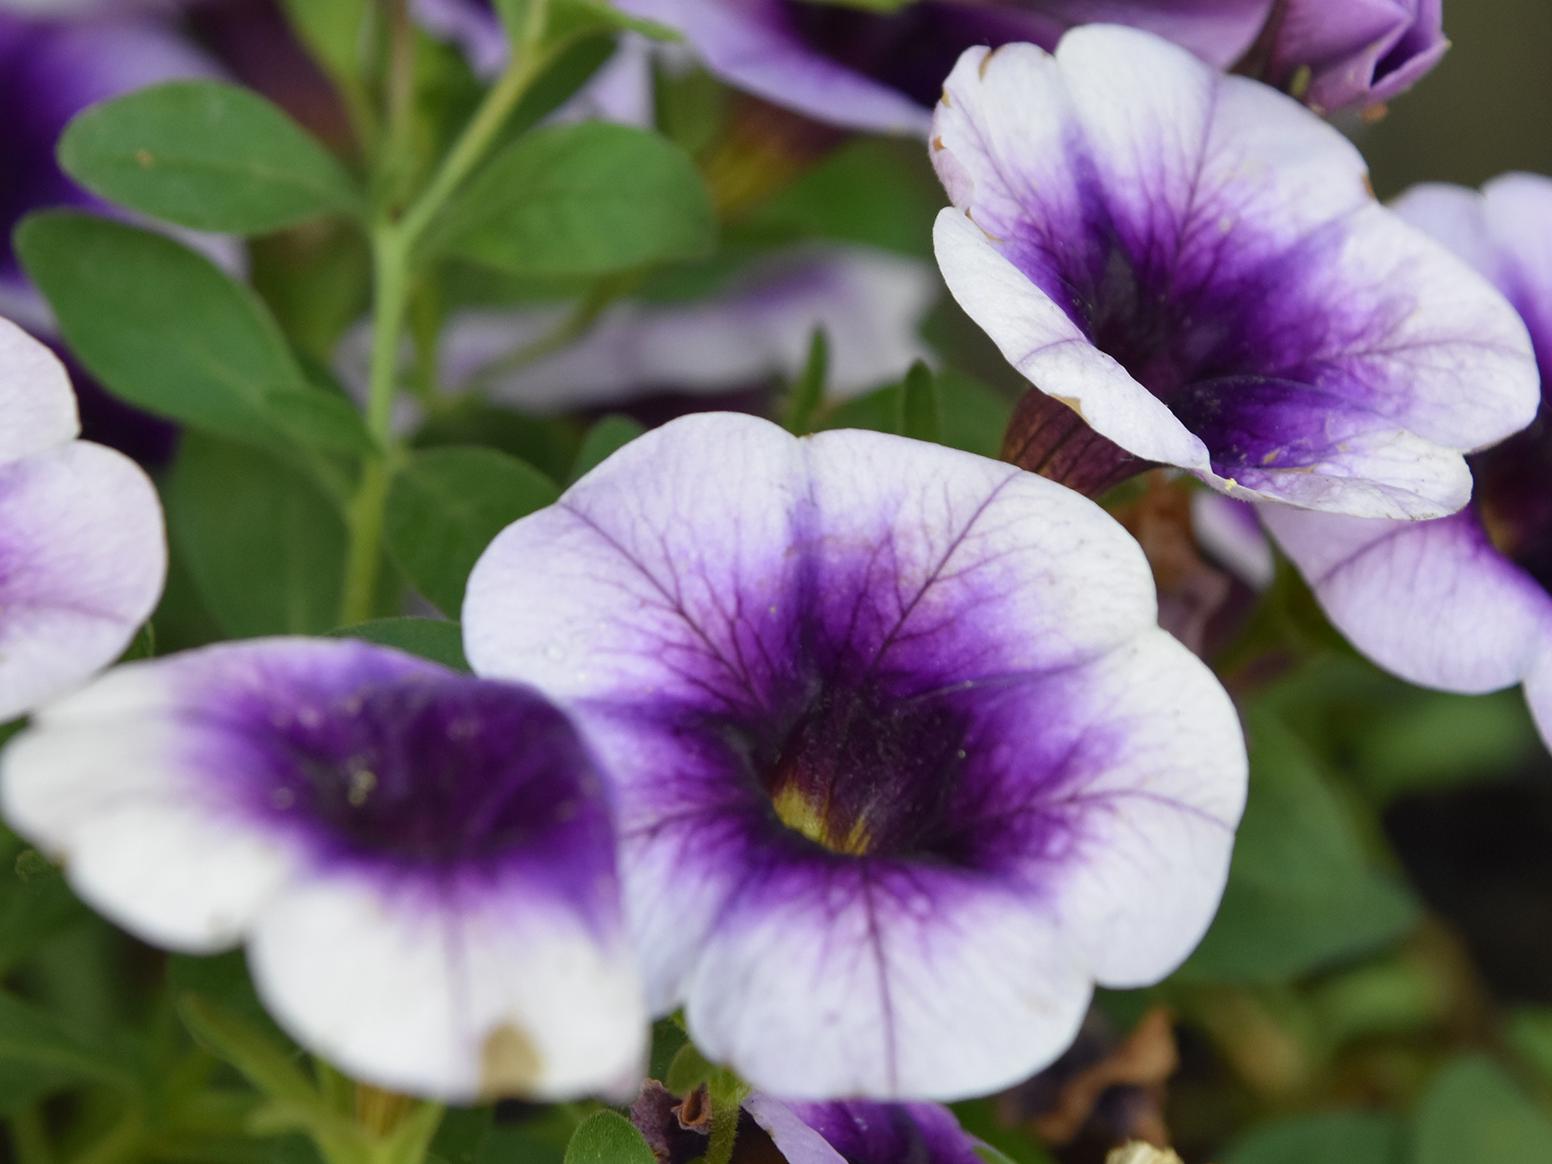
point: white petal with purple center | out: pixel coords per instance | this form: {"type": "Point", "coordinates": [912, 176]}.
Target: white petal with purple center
{"type": "Point", "coordinates": [886, 721]}
{"type": "Point", "coordinates": [421, 863]}
{"type": "Point", "coordinates": [1195, 263]}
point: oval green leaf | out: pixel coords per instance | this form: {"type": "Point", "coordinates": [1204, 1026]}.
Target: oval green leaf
{"type": "Point", "coordinates": [205, 155]}
{"type": "Point", "coordinates": [607, 1138]}
{"type": "Point", "coordinates": [587, 199]}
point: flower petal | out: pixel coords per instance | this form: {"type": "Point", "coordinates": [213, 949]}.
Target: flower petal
{"type": "Point", "coordinates": [839, 981]}
{"type": "Point", "coordinates": [1037, 338]}
{"type": "Point", "coordinates": [422, 863]}
{"type": "Point", "coordinates": [1434, 601]}
{"type": "Point", "coordinates": [35, 396]}
{"type": "Point", "coordinates": [921, 649]}
{"type": "Point", "coordinates": [750, 44]}
{"type": "Point", "coordinates": [487, 990]}
{"type": "Point", "coordinates": [85, 557]}
{"type": "Point", "coordinates": [1174, 240]}
{"type": "Point", "coordinates": [1154, 808]}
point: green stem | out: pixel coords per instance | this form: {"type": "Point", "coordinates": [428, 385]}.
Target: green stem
{"type": "Point", "coordinates": [527, 62]}
{"type": "Point", "coordinates": [724, 1131]}
{"type": "Point", "coordinates": [365, 517]}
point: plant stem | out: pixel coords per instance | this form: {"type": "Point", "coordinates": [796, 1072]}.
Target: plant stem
{"type": "Point", "coordinates": [393, 244]}
{"type": "Point", "coordinates": [365, 517]}
{"type": "Point", "coordinates": [527, 62]}
{"type": "Point", "coordinates": [724, 1129]}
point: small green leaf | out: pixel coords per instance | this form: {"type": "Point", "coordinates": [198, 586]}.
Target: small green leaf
{"type": "Point", "coordinates": [160, 326]}
{"type": "Point", "coordinates": [264, 547]}
{"type": "Point", "coordinates": [1348, 1137]}
{"type": "Point", "coordinates": [807, 393]}
{"type": "Point", "coordinates": [607, 1138]}
{"type": "Point", "coordinates": [919, 404]}
{"type": "Point", "coordinates": [589, 199]}
{"type": "Point", "coordinates": [435, 639]}
{"type": "Point", "coordinates": [1301, 893]}
{"type": "Point", "coordinates": [1473, 1111]}
{"type": "Point", "coordinates": [206, 155]}
{"type": "Point", "coordinates": [971, 415]}
{"type": "Point", "coordinates": [607, 437]}
{"type": "Point", "coordinates": [446, 505]}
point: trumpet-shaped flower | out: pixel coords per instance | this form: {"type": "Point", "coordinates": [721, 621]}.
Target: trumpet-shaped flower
{"type": "Point", "coordinates": [1195, 264]}
{"type": "Point", "coordinates": [1465, 603]}
{"type": "Point", "coordinates": [421, 864]}
{"type": "Point", "coordinates": [903, 762]}
{"type": "Point", "coordinates": [81, 540]}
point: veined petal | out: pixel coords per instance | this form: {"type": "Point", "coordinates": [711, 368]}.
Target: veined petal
{"type": "Point", "coordinates": [84, 561]}
{"type": "Point", "coordinates": [421, 863]}
{"type": "Point", "coordinates": [1175, 241]}
{"type": "Point", "coordinates": [852, 692]}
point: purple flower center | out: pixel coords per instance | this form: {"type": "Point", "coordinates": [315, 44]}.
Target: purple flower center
{"type": "Point", "coordinates": [452, 772]}
{"type": "Point", "coordinates": [1218, 329]}
{"type": "Point", "coordinates": [863, 770]}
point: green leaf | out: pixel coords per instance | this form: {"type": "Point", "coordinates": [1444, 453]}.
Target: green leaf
{"type": "Point", "coordinates": [588, 199]}
{"type": "Point", "coordinates": [607, 436]}
{"type": "Point", "coordinates": [607, 1138]}
{"type": "Point", "coordinates": [562, 79]}
{"type": "Point", "coordinates": [874, 192]}
{"type": "Point", "coordinates": [807, 393]}
{"type": "Point", "coordinates": [1473, 1111]}
{"type": "Point", "coordinates": [446, 505]}
{"type": "Point", "coordinates": [265, 548]}
{"type": "Point", "coordinates": [321, 419]}
{"type": "Point", "coordinates": [160, 326]}
{"type": "Point", "coordinates": [1301, 894]}
{"type": "Point", "coordinates": [919, 404]}
{"type": "Point", "coordinates": [971, 415]}
{"type": "Point", "coordinates": [435, 639]}
{"type": "Point", "coordinates": [1349, 1137]}
{"type": "Point", "coordinates": [206, 155]}
{"type": "Point", "coordinates": [270, 1066]}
